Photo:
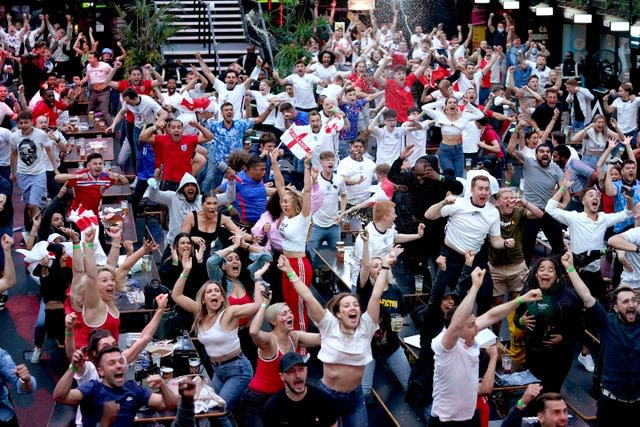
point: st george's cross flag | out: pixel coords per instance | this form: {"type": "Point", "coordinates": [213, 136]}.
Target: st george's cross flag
{"type": "Point", "coordinates": [295, 140]}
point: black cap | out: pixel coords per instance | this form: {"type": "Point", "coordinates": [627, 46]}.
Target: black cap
{"type": "Point", "coordinates": [289, 360]}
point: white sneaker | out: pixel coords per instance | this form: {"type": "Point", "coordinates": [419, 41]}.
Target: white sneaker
{"type": "Point", "coordinates": [587, 362]}
{"type": "Point", "coordinates": [35, 356]}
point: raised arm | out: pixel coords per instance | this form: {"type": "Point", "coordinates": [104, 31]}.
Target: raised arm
{"type": "Point", "coordinates": [92, 300]}
{"type": "Point", "coordinates": [578, 285]}
{"type": "Point", "coordinates": [501, 311]}
{"type": "Point", "coordinates": [177, 293]}
{"type": "Point", "coordinates": [306, 191]}
{"type": "Point", "coordinates": [316, 311]}
{"type": "Point", "coordinates": [464, 310]}
{"type": "Point", "coordinates": [205, 68]}
{"type": "Point", "coordinates": [9, 274]}
{"type": "Point", "coordinates": [278, 179]}
{"type": "Point", "coordinates": [373, 308]}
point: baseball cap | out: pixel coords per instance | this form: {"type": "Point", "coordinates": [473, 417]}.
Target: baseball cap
{"type": "Point", "coordinates": [289, 360]}
{"type": "Point", "coordinates": [107, 50]}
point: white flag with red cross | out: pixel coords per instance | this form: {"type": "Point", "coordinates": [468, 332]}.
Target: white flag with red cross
{"type": "Point", "coordinates": [83, 218]}
{"type": "Point", "coordinates": [295, 140]}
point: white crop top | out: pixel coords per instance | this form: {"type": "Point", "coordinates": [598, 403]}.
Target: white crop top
{"type": "Point", "coordinates": [294, 233]}
{"type": "Point", "coordinates": [217, 341]}
{"type": "Point", "coordinates": [337, 347]}
{"type": "Point", "coordinates": [451, 127]}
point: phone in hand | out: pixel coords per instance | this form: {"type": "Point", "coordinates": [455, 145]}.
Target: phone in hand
{"type": "Point", "coordinates": [628, 191]}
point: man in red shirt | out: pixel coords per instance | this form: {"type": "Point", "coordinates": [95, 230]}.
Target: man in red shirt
{"type": "Point", "coordinates": [89, 184]}
{"type": "Point", "coordinates": [174, 150]}
{"type": "Point", "coordinates": [49, 107]}
{"type": "Point", "coordinates": [397, 91]}
{"type": "Point", "coordinates": [142, 86]}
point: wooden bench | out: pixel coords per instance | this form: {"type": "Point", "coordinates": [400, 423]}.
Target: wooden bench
{"type": "Point", "coordinates": [578, 399]}
{"type": "Point", "coordinates": [390, 397]}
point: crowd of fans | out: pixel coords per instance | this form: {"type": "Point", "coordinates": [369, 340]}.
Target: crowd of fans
{"type": "Point", "coordinates": [476, 152]}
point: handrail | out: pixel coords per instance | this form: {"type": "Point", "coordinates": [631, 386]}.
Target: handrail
{"type": "Point", "coordinates": [213, 38]}
{"type": "Point", "coordinates": [207, 33]}
{"type": "Point", "coordinates": [265, 44]}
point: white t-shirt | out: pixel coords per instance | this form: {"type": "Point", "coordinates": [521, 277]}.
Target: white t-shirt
{"type": "Point", "coordinates": [455, 380]}
{"type": "Point", "coordinates": [380, 244]}
{"type": "Point", "coordinates": [5, 110]}
{"type": "Point", "coordinates": [279, 117]}
{"type": "Point", "coordinates": [463, 83]}
{"type": "Point", "coordinates": [294, 233]}
{"type": "Point", "coordinates": [234, 96]}
{"type": "Point", "coordinates": [627, 114]}
{"type": "Point", "coordinates": [31, 151]}
{"type": "Point", "coordinates": [419, 140]}
{"type": "Point", "coordinates": [326, 215]}
{"type": "Point", "coordinates": [469, 225]}
{"type": "Point", "coordinates": [262, 103]}
{"type": "Point", "coordinates": [303, 89]}
{"type": "Point", "coordinates": [56, 150]}
{"type": "Point", "coordinates": [145, 112]}
{"type": "Point", "coordinates": [354, 170]}
{"type": "Point", "coordinates": [470, 138]}
{"type": "Point", "coordinates": [5, 147]}
{"type": "Point", "coordinates": [389, 144]}
{"type": "Point", "coordinates": [98, 74]}
{"type": "Point", "coordinates": [632, 278]}
{"type": "Point", "coordinates": [352, 350]}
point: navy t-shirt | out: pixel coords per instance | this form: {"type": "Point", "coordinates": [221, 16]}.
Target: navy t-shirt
{"type": "Point", "coordinates": [130, 397]}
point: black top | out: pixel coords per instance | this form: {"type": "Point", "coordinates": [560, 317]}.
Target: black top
{"type": "Point", "coordinates": [315, 410]}
{"type": "Point", "coordinates": [221, 233]}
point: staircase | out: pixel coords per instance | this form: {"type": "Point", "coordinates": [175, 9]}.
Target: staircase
{"type": "Point", "coordinates": [226, 19]}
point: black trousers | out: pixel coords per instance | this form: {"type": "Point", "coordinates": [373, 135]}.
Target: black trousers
{"type": "Point", "coordinates": [612, 413]}
{"type": "Point", "coordinates": [552, 229]}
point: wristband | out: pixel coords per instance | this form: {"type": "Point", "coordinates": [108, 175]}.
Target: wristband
{"type": "Point", "coordinates": [519, 299]}
{"type": "Point", "coordinates": [184, 276]}
{"type": "Point", "coordinates": [507, 183]}
{"type": "Point", "coordinates": [73, 368]}
{"type": "Point", "coordinates": [571, 269]}
{"type": "Point", "coordinates": [604, 251]}
{"type": "Point", "coordinates": [563, 189]}
{"type": "Point", "coordinates": [517, 129]}
{"type": "Point", "coordinates": [265, 304]}
{"type": "Point", "coordinates": [441, 178]}
{"type": "Point", "coordinates": [291, 275]}
{"type": "Point", "coordinates": [520, 404]}
{"type": "Point", "coordinates": [443, 203]}
{"type": "Point", "coordinates": [175, 262]}
{"type": "Point", "coordinates": [90, 245]}
{"type": "Point", "coordinates": [384, 267]}
{"type": "Point", "coordinates": [229, 207]}
{"type": "Point", "coordinates": [68, 334]}
{"type": "Point", "coordinates": [77, 246]}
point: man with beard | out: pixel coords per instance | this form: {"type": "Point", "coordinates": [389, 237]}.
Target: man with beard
{"type": "Point", "coordinates": [587, 230]}
{"type": "Point", "coordinates": [618, 330]}
{"type": "Point", "coordinates": [174, 150]}
{"type": "Point", "coordinates": [426, 186]}
{"type": "Point", "coordinates": [540, 180]}
{"type": "Point", "coordinates": [114, 387]}
{"type": "Point", "coordinates": [184, 200]}
{"type": "Point", "coordinates": [90, 183]}
{"type": "Point", "coordinates": [470, 221]}
{"type": "Point", "coordinates": [49, 107]}
{"type": "Point", "coordinates": [298, 403]}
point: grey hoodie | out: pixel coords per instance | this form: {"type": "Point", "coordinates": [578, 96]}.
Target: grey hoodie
{"type": "Point", "coordinates": [179, 207]}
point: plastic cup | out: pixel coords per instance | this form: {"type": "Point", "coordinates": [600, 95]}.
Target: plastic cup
{"type": "Point", "coordinates": [340, 251]}
{"type": "Point", "coordinates": [167, 373]}
{"type": "Point", "coordinates": [396, 322]}
{"type": "Point", "coordinates": [419, 283]}
{"type": "Point", "coordinates": [194, 365]}
{"type": "Point", "coordinates": [155, 359]}
{"type": "Point", "coordinates": [507, 364]}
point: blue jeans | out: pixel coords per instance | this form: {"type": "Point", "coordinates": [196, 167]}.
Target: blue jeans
{"type": "Point", "coordinates": [350, 405]}
{"type": "Point", "coordinates": [451, 157]}
{"type": "Point", "coordinates": [253, 407]}
{"type": "Point", "coordinates": [320, 235]}
{"type": "Point", "coordinates": [591, 160]}
{"type": "Point", "coordinates": [230, 381]}
{"type": "Point", "coordinates": [39, 331]}
{"type": "Point", "coordinates": [577, 126]}
{"type": "Point", "coordinates": [213, 176]}
{"type": "Point", "coordinates": [399, 365]}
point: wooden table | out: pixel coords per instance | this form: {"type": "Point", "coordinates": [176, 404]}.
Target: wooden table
{"type": "Point", "coordinates": [107, 154]}
{"type": "Point", "coordinates": [129, 225]}
{"type": "Point", "coordinates": [89, 133]}
{"type": "Point", "coordinates": [342, 270]}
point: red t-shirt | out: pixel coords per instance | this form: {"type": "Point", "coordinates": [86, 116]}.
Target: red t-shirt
{"type": "Point", "coordinates": [144, 88]}
{"type": "Point", "coordinates": [176, 156]}
{"type": "Point", "coordinates": [489, 135]}
{"type": "Point", "coordinates": [399, 98]}
{"type": "Point", "coordinates": [88, 191]}
{"type": "Point", "coordinates": [42, 109]}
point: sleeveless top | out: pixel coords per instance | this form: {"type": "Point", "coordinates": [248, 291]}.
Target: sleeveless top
{"type": "Point", "coordinates": [210, 237]}
{"type": "Point", "coordinates": [246, 299]}
{"type": "Point", "coordinates": [217, 341]}
{"type": "Point", "coordinates": [82, 329]}
{"type": "Point", "coordinates": [267, 378]}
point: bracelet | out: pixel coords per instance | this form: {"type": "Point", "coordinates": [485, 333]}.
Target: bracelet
{"type": "Point", "coordinates": [77, 246]}
{"type": "Point", "coordinates": [519, 299]}
{"type": "Point", "coordinates": [291, 275]}
{"type": "Point", "coordinates": [442, 203]}
{"type": "Point", "coordinates": [175, 262]}
{"type": "Point", "coordinates": [229, 207]}
{"type": "Point", "coordinates": [68, 334]}
{"type": "Point", "coordinates": [440, 178]}
{"type": "Point", "coordinates": [520, 404]}
{"type": "Point", "coordinates": [385, 267]}
{"type": "Point", "coordinates": [184, 276]}
{"type": "Point", "coordinates": [265, 304]}
{"type": "Point", "coordinates": [90, 245]}
{"type": "Point", "coordinates": [517, 129]}
{"type": "Point", "coordinates": [571, 269]}
{"type": "Point", "coordinates": [563, 189]}
{"type": "Point", "coordinates": [73, 368]}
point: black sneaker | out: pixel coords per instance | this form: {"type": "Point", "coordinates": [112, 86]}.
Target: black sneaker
{"type": "Point", "coordinates": [3, 299]}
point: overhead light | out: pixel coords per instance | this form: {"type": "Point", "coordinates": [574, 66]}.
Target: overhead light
{"type": "Point", "coordinates": [511, 4]}
{"type": "Point", "coordinates": [619, 26]}
{"type": "Point", "coordinates": [482, 1]}
{"type": "Point", "coordinates": [544, 10]}
{"type": "Point", "coordinates": [582, 18]}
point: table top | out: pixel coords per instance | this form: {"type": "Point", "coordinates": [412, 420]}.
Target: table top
{"type": "Point", "coordinates": [91, 131]}
{"type": "Point", "coordinates": [341, 269]}
{"type": "Point", "coordinates": [129, 225]}
{"type": "Point", "coordinates": [132, 301]}
{"type": "Point", "coordinates": [107, 154]}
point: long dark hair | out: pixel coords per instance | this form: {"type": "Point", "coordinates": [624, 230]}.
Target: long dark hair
{"type": "Point", "coordinates": [244, 277]}
{"type": "Point", "coordinates": [273, 207]}
{"type": "Point", "coordinates": [531, 282]}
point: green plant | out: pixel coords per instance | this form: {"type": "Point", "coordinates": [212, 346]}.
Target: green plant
{"type": "Point", "coordinates": [145, 29]}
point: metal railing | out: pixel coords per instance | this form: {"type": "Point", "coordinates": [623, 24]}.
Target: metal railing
{"type": "Point", "coordinates": [263, 42]}
{"type": "Point", "coordinates": [206, 29]}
